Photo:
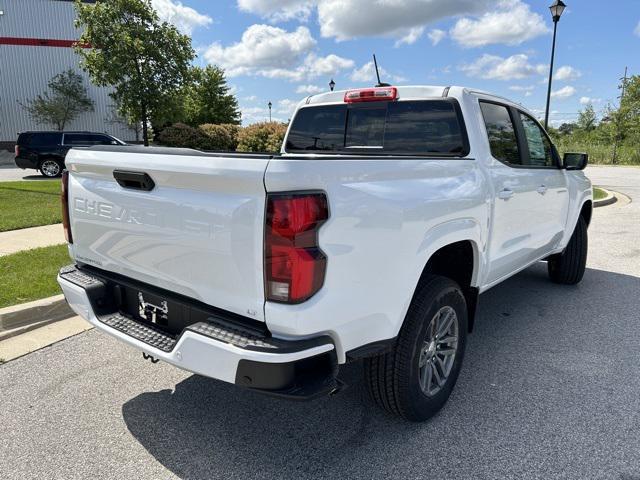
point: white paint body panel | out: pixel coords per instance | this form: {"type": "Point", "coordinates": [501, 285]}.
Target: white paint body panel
{"type": "Point", "coordinates": [388, 216]}
{"type": "Point", "coordinates": [198, 233]}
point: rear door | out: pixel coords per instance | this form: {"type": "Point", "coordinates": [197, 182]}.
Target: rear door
{"type": "Point", "coordinates": [198, 232]}
{"type": "Point", "coordinates": [518, 210]}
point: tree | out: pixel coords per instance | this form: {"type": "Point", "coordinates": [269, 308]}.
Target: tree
{"type": "Point", "coordinates": [629, 111]}
{"type": "Point", "coordinates": [66, 99]}
{"type": "Point", "coordinates": [208, 99]}
{"type": "Point", "coordinates": [145, 60]}
{"type": "Point", "coordinates": [587, 120]}
{"type": "Point", "coordinates": [566, 128]}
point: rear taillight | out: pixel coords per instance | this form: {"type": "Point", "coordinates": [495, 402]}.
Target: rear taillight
{"type": "Point", "coordinates": [371, 95]}
{"type": "Point", "coordinates": [64, 199]}
{"type": "Point", "coordinates": [16, 150]}
{"type": "Point", "coordinates": [294, 263]}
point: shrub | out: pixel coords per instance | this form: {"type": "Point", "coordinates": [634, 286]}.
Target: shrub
{"type": "Point", "coordinates": [262, 137]}
{"type": "Point", "coordinates": [181, 135]}
{"type": "Point", "coordinates": [221, 137]}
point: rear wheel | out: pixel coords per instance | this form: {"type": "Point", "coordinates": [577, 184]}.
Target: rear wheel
{"type": "Point", "coordinates": [568, 267]}
{"type": "Point", "coordinates": [50, 168]}
{"type": "Point", "coordinates": [415, 379]}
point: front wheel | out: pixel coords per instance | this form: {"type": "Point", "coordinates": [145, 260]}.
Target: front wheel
{"type": "Point", "coordinates": [50, 168]}
{"type": "Point", "coordinates": [415, 379]}
{"type": "Point", "coordinates": [568, 267]}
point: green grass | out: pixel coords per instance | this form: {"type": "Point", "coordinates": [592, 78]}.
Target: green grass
{"type": "Point", "coordinates": [29, 204]}
{"type": "Point", "coordinates": [600, 153]}
{"type": "Point", "coordinates": [598, 193]}
{"type": "Point", "coordinates": [30, 275]}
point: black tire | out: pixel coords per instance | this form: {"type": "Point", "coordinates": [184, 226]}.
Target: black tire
{"type": "Point", "coordinates": [393, 378]}
{"type": "Point", "coordinates": [568, 267]}
{"type": "Point", "coordinates": [50, 168]}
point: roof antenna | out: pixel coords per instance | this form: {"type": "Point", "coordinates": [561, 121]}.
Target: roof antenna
{"type": "Point", "coordinates": [380, 84]}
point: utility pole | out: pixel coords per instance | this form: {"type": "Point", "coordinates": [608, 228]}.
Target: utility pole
{"type": "Point", "coordinates": [616, 140]}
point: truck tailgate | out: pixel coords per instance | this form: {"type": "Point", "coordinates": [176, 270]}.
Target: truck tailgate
{"type": "Point", "coordinates": [198, 232]}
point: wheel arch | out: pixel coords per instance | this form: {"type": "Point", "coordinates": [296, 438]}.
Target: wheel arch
{"type": "Point", "coordinates": [454, 250]}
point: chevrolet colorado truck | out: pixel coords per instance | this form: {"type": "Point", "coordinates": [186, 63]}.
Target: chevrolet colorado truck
{"type": "Point", "coordinates": [369, 237]}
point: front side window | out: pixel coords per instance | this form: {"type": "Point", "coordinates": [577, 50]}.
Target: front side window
{"type": "Point", "coordinates": [76, 139]}
{"type": "Point", "coordinates": [501, 132]}
{"type": "Point", "coordinates": [424, 127]}
{"type": "Point", "coordinates": [99, 140]}
{"type": "Point", "coordinates": [540, 150]}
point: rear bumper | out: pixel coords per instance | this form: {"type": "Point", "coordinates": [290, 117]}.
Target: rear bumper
{"type": "Point", "coordinates": [25, 163]}
{"type": "Point", "coordinates": [215, 348]}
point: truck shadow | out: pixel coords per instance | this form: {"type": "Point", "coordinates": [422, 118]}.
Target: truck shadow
{"type": "Point", "coordinates": [536, 349]}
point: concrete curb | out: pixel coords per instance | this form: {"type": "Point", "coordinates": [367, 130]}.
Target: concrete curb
{"type": "Point", "coordinates": [18, 319]}
{"type": "Point", "coordinates": [608, 200]}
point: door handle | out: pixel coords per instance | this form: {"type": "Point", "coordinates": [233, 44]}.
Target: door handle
{"type": "Point", "coordinates": [505, 194]}
{"type": "Point", "coordinates": [542, 189]}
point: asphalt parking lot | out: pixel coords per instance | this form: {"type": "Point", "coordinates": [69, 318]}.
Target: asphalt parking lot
{"type": "Point", "coordinates": [550, 388]}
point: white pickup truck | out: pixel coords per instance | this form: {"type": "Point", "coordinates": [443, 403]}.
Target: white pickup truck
{"type": "Point", "coordinates": [371, 236]}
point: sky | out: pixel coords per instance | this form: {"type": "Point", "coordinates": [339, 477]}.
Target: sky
{"type": "Point", "coordinates": [280, 51]}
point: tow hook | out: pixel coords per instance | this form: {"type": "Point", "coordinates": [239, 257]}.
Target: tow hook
{"type": "Point", "coordinates": [146, 356]}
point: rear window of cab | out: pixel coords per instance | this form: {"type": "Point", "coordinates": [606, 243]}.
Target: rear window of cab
{"type": "Point", "coordinates": [420, 127]}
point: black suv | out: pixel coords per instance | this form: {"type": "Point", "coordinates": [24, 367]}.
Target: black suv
{"type": "Point", "coordinates": [45, 151]}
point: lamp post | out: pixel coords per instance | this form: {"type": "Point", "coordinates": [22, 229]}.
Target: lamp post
{"type": "Point", "coordinates": [556, 12]}
{"type": "Point", "coordinates": [269, 105]}
{"type": "Point", "coordinates": [332, 84]}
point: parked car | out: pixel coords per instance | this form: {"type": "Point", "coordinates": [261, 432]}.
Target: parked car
{"type": "Point", "coordinates": [46, 151]}
{"type": "Point", "coordinates": [370, 237]}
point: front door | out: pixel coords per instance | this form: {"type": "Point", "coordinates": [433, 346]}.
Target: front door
{"type": "Point", "coordinates": [551, 182]}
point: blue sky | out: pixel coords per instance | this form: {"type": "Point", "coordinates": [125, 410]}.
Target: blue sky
{"type": "Point", "coordinates": [282, 50]}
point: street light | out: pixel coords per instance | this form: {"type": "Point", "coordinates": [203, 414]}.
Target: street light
{"type": "Point", "coordinates": [270, 105]}
{"type": "Point", "coordinates": [332, 84]}
{"type": "Point", "coordinates": [556, 12]}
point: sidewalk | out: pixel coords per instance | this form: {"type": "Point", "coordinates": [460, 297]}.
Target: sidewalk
{"type": "Point", "coordinates": [28, 238]}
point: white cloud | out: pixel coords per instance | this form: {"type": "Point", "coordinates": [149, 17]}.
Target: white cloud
{"type": "Point", "coordinates": [436, 36]}
{"type": "Point", "coordinates": [497, 68]}
{"type": "Point", "coordinates": [250, 98]}
{"type": "Point", "coordinates": [286, 107]}
{"type": "Point", "coordinates": [588, 100]}
{"type": "Point", "coordinates": [186, 19]}
{"type": "Point", "coordinates": [347, 19]}
{"type": "Point", "coordinates": [637, 30]}
{"type": "Point", "coordinates": [367, 74]}
{"type": "Point", "coordinates": [564, 92]}
{"type": "Point", "coordinates": [312, 67]}
{"type": "Point", "coordinates": [566, 73]}
{"type": "Point", "coordinates": [261, 49]}
{"type": "Point", "coordinates": [513, 24]}
{"type": "Point", "coordinates": [522, 88]}
{"type": "Point", "coordinates": [405, 20]}
{"type": "Point", "coordinates": [309, 89]}
{"type": "Point", "coordinates": [411, 37]}
{"type": "Point", "coordinates": [272, 52]}
{"type": "Point", "coordinates": [278, 10]}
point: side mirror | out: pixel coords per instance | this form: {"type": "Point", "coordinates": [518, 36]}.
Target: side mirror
{"type": "Point", "coordinates": [575, 161]}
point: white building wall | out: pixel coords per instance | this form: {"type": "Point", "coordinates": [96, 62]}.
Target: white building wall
{"type": "Point", "coordinates": [25, 71]}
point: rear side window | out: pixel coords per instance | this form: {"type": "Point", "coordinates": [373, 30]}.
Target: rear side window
{"type": "Point", "coordinates": [426, 127]}
{"type": "Point", "coordinates": [44, 139]}
{"type": "Point", "coordinates": [501, 133]}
